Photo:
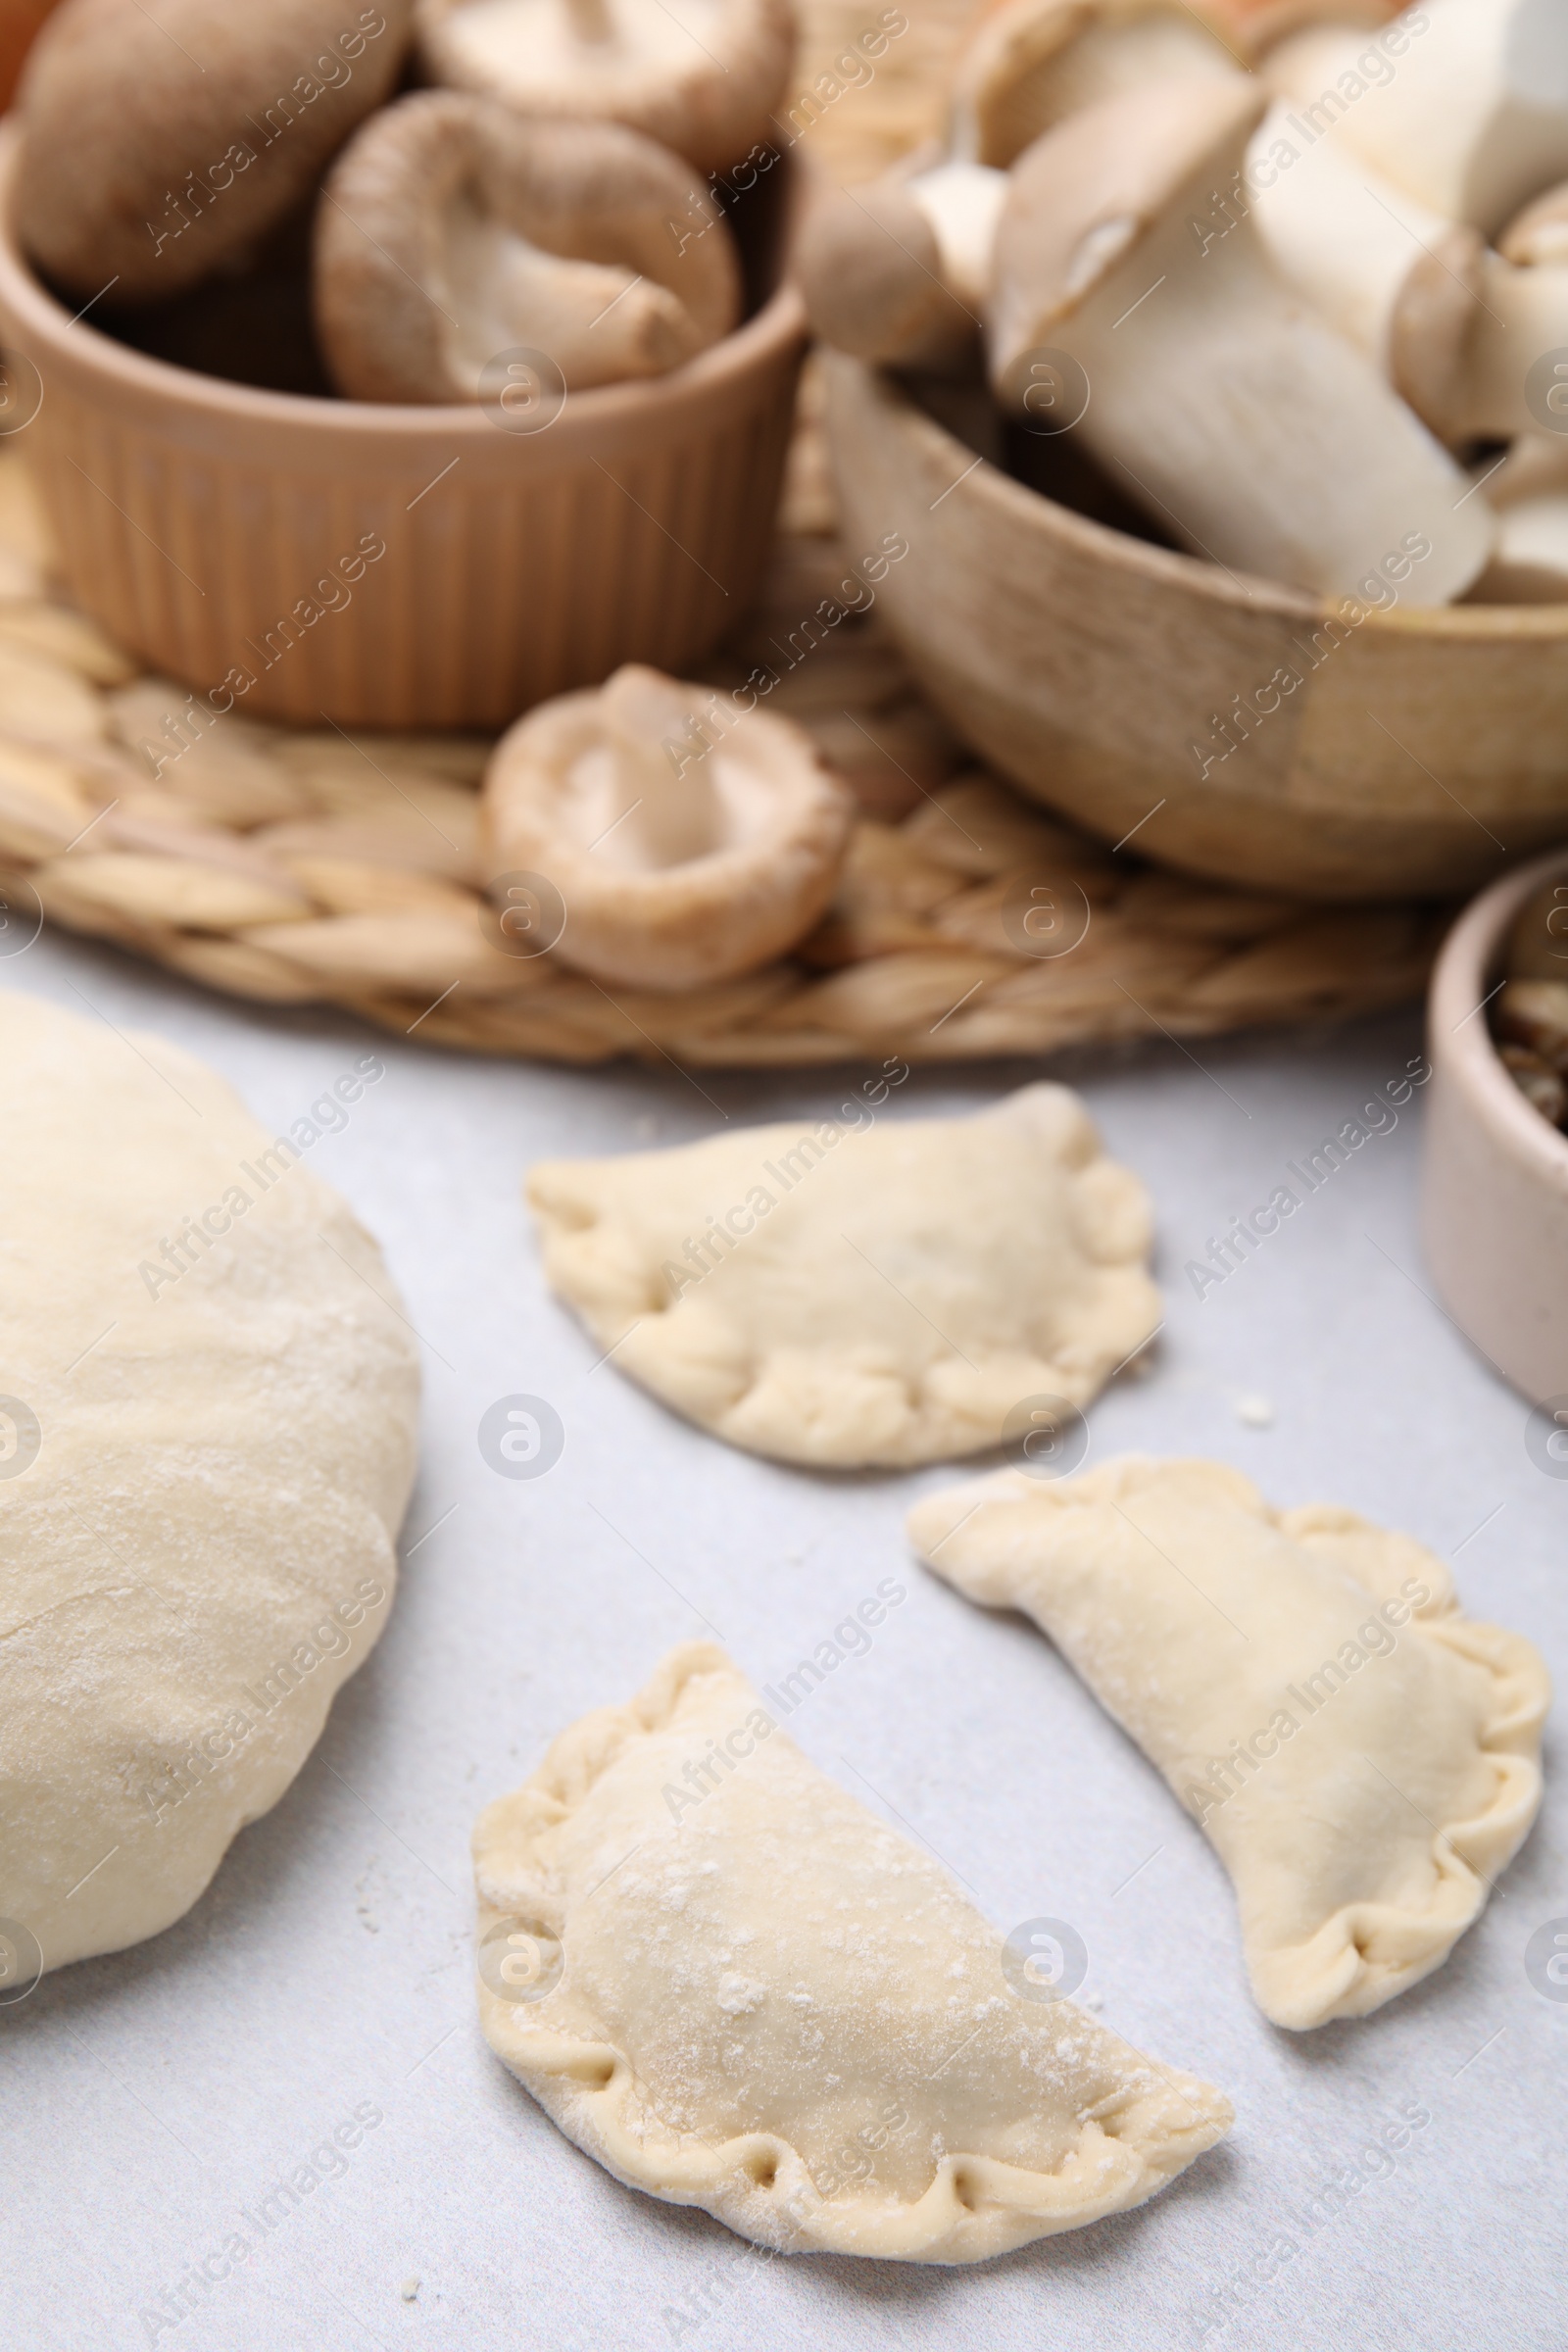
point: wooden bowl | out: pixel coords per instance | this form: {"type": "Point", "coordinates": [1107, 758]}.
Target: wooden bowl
{"type": "Point", "coordinates": [1104, 675]}
{"type": "Point", "coordinates": [1494, 1178]}
{"type": "Point", "coordinates": [216, 527]}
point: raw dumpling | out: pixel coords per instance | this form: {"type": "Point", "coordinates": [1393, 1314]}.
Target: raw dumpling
{"type": "Point", "coordinates": [880, 1294]}
{"type": "Point", "coordinates": [1365, 1757]}
{"type": "Point", "coordinates": [737, 1988]}
{"type": "Point", "coordinates": [207, 1439]}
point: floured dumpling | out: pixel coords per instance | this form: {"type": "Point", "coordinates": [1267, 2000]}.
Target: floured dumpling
{"type": "Point", "coordinates": [1365, 1757]}
{"type": "Point", "coordinates": [736, 1988]}
{"type": "Point", "coordinates": [884, 1294]}
{"type": "Point", "coordinates": [208, 1407]}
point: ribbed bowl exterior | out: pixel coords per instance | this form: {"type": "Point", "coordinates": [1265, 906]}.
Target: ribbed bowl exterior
{"type": "Point", "coordinates": [213, 527]}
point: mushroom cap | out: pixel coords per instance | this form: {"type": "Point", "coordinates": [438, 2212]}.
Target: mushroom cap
{"type": "Point", "coordinates": [118, 109]}
{"type": "Point", "coordinates": [870, 267]}
{"type": "Point", "coordinates": [709, 94]}
{"type": "Point", "coordinates": [1263, 30]}
{"type": "Point", "coordinates": [1538, 236]}
{"type": "Point", "coordinates": [1431, 324]}
{"type": "Point", "coordinates": [1083, 195]}
{"type": "Point", "coordinates": [1011, 42]}
{"type": "Point", "coordinates": [1029, 64]}
{"type": "Point", "coordinates": [767, 823]}
{"type": "Point", "coordinates": [455, 230]}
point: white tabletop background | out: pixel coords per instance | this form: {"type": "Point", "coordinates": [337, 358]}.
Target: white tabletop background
{"type": "Point", "coordinates": [150, 2099]}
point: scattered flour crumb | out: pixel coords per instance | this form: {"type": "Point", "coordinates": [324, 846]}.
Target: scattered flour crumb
{"type": "Point", "coordinates": [409, 2289]}
{"type": "Point", "coordinates": [1254, 1412]}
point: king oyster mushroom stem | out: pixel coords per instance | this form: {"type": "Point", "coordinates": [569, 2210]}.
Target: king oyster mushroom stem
{"type": "Point", "coordinates": [1531, 563]}
{"type": "Point", "coordinates": [1456, 329]}
{"type": "Point", "coordinates": [1032, 62]}
{"type": "Point", "coordinates": [1534, 467]}
{"type": "Point", "coordinates": [897, 271]}
{"type": "Point", "coordinates": [1397, 279]}
{"type": "Point", "coordinates": [1521, 322]}
{"type": "Point", "coordinates": [702, 79]}
{"type": "Point", "coordinates": [1538, 238]}
{"type": "Point", "coordinates": [689, 843]}
{"type": "Point", "coordinates": [1217, 398]}
{"type": "Point", "coordinates": [1471, 117]}
{"type": "Point", "coordinates": [456, 230]}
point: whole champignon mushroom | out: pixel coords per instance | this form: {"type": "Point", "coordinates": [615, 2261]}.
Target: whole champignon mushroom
{"type": "Point", "coordinates": [678, 863]}
{"type": "Point", "coordinates": [1472, 118]}
{"type": "Point", "coordinates": [454, 231]}
{"type": "Point", "coordinates": [1217, 397]}
{"type": "Point", "coordinates": [158, 149]}
{"type": "Point", "coordinates": [1031, 62]}
{"type": "Point", "coordinates": [702, 76]}
{"type": "Point", "coordinates": [898, 271]}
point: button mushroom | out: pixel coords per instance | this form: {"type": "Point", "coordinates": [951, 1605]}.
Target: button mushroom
{"type": "Point", "coordinates": [1226, 406]}
{"type": "Point", "coordinates": [703, 76]}
{"type": "Point", "coordinates": [159, 147]}
{"type": "Point", "coordinates": [680, 859]}
{"type": "Point", "coordinates": [898, 271]}
{"type": "Point", "coordinates": [453, 232]}
{"type": "Point", "coordinates": [1032, 62]}
{"type": "Point", "coordinates": [1473, 116]}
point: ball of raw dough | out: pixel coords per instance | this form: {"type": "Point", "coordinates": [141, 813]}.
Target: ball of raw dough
{"type": "Point", "coordinates": [207, 1440]}
{"type": "Point", "coordinates": [161, 145]}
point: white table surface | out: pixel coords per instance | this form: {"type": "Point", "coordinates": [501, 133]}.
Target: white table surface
{"type": "Point", "coordinates": [149, 2101]}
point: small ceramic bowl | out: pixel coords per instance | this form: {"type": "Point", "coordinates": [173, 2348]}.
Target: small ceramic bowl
{"type": "Point", "coordinates": [1495, 1186]}
{"type": "Point", "coordinates": [1132, 687]}
{"type": "Point", "coordinates": [20, 21]}
{"type": "Point", "coordinates": [390, 566]}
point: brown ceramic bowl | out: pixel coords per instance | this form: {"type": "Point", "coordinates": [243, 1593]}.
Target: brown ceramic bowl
{"type": "Point", "coordinates": [1494, 1194]}
{"type": "Point", "coordinates": [205, 522]}
{"type": "Point", "coordinates": [1100, 672]}
{"type": "Point", "coordinates": [20, 21]}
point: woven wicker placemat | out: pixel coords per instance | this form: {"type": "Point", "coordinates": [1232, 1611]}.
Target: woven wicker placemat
{"type": "Point", "coordinates": [299, 867]}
